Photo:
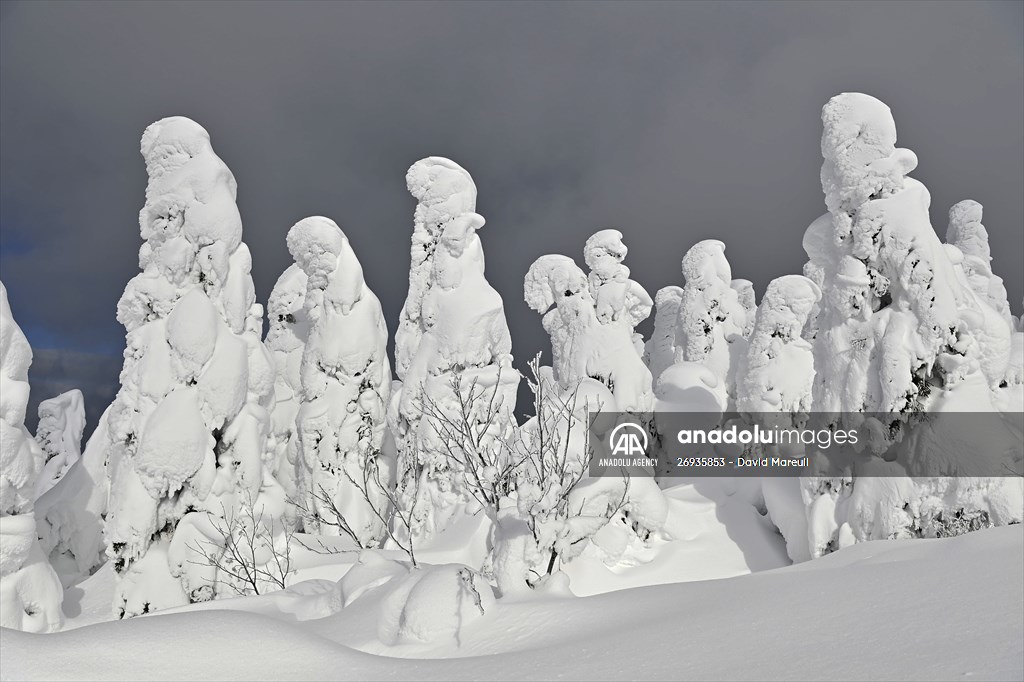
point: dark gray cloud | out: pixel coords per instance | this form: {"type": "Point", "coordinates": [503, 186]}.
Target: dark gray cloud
{"type": "Point", "coordinates": [672, 121]}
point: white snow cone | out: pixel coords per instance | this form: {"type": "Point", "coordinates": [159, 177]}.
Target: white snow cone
{"type": "Point", "coordinates": [30, 591]}
{"type": "Point", "coordinates": [345, 384]}
{"type": "Point", "coordinates": [189, 427]}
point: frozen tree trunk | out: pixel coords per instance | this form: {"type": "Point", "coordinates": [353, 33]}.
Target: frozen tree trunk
{"type": "Point", "coordinates": [30, 591]}
{"type": "Point", "coordinates": [189, 427]}
{"type": "Point", "coordinates": [286, 341]}
{"type": "Point", "coordinates": [345, 385]}
{"type": "Point", "coordinates": [452, 336]}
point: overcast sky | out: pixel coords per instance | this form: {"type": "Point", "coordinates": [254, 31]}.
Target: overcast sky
{"type": "Point", "coordinates": [672, 122]}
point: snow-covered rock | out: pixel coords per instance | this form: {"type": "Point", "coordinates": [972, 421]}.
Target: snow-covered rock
{"type": "Point", "coordinates": [30, 591]}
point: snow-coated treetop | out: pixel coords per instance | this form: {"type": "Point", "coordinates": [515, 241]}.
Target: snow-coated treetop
{"type": "Point", "coordinates": [444, 191]}
{"type": "Point", "coordinates": [284, 310]}
{"type": "Point", "coordinates": [315, 244]}
{"type": "Point", "coordinates": [858, 144]}
{"type": "Point", "coordinates": [705, 263]}
{"type": "Point", "coordinates": [616, 296]}
{"type": "Point", "coordinates": [20, 456]}
{"type": "Point", "coordinates": [604, 253]}
{"type": "Point", "coordinates": [185, 172]}
{"type": "Point", "coordinates": [787, 302]}
{"type": "Point", "coordinates": [554, 278]}
{"type": "Point", "coordinates": [965, 230]}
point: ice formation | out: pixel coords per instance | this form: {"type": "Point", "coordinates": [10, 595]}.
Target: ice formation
{"type": "Point", "coordinates": [189, 427]}
{"type": "Point", "coordinates": [30, 591]}
{"type": "Point", "coordinates": [452, 342]}
{"type": "Point", "coordinates": [345, 384]}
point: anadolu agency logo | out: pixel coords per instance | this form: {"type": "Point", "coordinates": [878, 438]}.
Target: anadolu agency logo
{"type": "Point", "coordinates": [629, 444]}
{"type": "Point", "coordinates": [629, 440]}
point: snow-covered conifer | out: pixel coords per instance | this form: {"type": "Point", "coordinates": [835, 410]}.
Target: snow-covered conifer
{"type": "Point", "coordinates": [778, 371]}
{"type": "Point", "coordinates": [30, 592]}
{"type": "Point", "coordinates": [286, 341]}
{"type": "Point", "coordinates": [745, 294]}
{"type": "Point", "coordinates": [966, 232]}
{"type": "Point", "coordinates": [900, 330]}
{"type": "Point", "coordinates": [709, 331]}
{"type": "Point", "coordinates": [660, 351]}
{"type": "Point", "coordinates": [190, 423]}
{"type": "Point", "coordinates": [452, 336]}
{"type": "Point", "coordinates": [59, 434]}
{"type": "Point", "coordinates": [581, 346]}
{"type": "Point", "coordinates": [345, 383]}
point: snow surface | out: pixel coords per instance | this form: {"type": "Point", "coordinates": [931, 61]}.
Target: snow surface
{"type": "Point", "coordinates": [910, 611]}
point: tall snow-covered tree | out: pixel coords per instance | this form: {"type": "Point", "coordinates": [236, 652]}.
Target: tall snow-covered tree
{"type": "Point", "coordinates": [708, 334]}
{"type": "Point", "coordinates": [452, 334]}
{"type": "Point", "coordinates": [774, 388]}
{"type": "Point", "coordinates": [966, 232]}
{"type": "Point", "coordinates": [899, 331]}
{"type": "Point", "coordinates": [745, 294]}
{"type": "Point", "coordinates": [30, 591]}
{"type": "Point", "coordinates": [190, 423]}
{"type": "Point", "coordinates": [345, 386]}
{"type": "Point", "coordinates": [660, 350]}
{"type": "Point", "coordinates": [286, 341]}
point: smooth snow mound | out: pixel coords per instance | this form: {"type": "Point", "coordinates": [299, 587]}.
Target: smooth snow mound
{"type": "Point", "coordinates": [901, 610]}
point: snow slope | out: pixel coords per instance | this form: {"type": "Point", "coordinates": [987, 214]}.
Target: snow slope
{"type": "Point", "coordinates": [899, 610]}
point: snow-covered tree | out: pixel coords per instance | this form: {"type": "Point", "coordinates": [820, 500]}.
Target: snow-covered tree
{"type": "Point", "coordinates": [286, 341]}
{"type": "Point", "coordinates": [745, 294]}
{"type": "Point", "coordinates": [899, 331]}
{"type": "Point", "coordinates": [345, 385]}
{"type": "Point", "coordinates": [660, 350]}
{"type": "Point", "coordinates": [30, 591]}
{"type": "Point", "coordinates": [59, 434]}
{"type": "Point", "coordinates": [189, 427]}
{"type": "Point", "coordinates": [774, 389]}
{"type": "Point", "coordinates": [777, 373]}
{"type": "Point", "coordinates": [581, 345]}
{"type": "Point", "coordinates": [617, 298]}
{"type": "Point", "coordinates": [70, 515]}
{"type": "Point", "coordinates": [966, 232]}
{"type": "Point", "coordinates": [452, 343]}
